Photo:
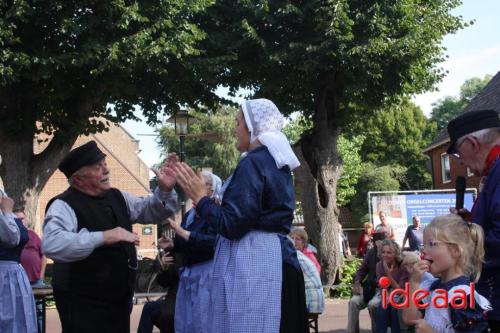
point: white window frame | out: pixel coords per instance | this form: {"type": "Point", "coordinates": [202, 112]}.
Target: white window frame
{"type": "Point", "coordinates": [443, 157]}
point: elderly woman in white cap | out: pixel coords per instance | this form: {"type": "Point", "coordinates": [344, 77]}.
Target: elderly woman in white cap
{"type": "Point", "coordinates": [257, 284]}
{"type": "Point", "coordinates": [194, 242]}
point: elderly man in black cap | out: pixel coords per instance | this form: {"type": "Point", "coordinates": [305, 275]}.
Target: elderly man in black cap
{"type": "Point", "coordinates": [88, 234]}
{"type": "Point", "coordinates": [475, 142]}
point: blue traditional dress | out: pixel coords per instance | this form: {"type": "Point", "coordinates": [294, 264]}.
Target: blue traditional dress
{"type": "Point", "coordinates": [486, 213]}
{"type": "Point", "coordinates": [450, 320]}
{"type": "Point", "coordinates": [193, 295]}
{"type": "Point", "coordinates": [252, 250]}
{"type": "Point", "coordinates": [17, 305]}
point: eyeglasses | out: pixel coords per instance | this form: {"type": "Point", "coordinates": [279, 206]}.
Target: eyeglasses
{"type": "Point", "coordinates": [432, 245]}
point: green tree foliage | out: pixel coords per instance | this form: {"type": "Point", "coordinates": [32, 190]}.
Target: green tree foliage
{"type": "Point", "coordinates": [352, 164]}
{"type": "Point", "coordinates": [449, 107]}
{"type": "Point", "coordinates": [397, 134]}
{"type": "Point", "coordinates": [375, 178]}
{"type": "Point", "coordinates": [63, 62]}
{"type": "Point", "coordinates": [210, 142]}
{"type": "Point", "coordinates": [296, 127]}
{"type": "Point", "coordinates": [321, 58]}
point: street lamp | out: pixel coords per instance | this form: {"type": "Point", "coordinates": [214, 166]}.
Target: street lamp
{"type": "Point", "coordinates": [182, 120]}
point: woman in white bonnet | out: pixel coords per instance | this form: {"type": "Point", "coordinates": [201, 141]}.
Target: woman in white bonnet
{"type": "Point", "coordinates": [257, 283]}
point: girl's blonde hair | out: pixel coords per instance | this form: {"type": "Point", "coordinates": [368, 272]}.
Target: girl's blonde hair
{"type": "Point", "coordinates": [395, 247]}
{"type": "Point", "coordinates": [367, 224]}
{"type": "Point", "coordinates": [467, 238]}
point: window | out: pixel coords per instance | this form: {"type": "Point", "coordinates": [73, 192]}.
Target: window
{"type": "Point", "coordinates": [445, 168]}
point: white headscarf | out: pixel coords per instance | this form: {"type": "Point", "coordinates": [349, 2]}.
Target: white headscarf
{"type": "Point", "coordinates": [216, 186]}
{"type": "Point", "coordinates": [216, 182]}
{"type": "Point", "coordinates": [265, 122]}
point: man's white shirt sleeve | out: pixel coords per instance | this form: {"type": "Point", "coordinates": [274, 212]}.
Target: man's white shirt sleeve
{"type": "Point", "coordinates": [62, 243]}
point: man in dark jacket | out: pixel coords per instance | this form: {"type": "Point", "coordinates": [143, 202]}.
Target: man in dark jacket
{"type": "Point", "coordinates": [88, 234]}
{"type": "Point", "coordinates": [475, 142]}
{"type": "Point", "coordinates": [364, 288]}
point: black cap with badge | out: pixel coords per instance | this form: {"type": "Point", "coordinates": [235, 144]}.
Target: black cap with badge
{"type": "Point", "coordinates": [84, 155]}
{"type": "Point", "coordinates": [470, 122]}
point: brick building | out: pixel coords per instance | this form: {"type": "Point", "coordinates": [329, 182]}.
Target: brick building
{"type": "Point", "coordinates": [446, 168]}
{"type": "Point", "coordinates": [128, 173]}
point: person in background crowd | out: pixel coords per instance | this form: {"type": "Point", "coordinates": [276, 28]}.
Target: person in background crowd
{"type": "Point", "coordinates": [257, 283]}
{"type": "Point", "coordinates": [344, 242]}
{"type": "Point", "coordinates": [300, 238]}
{"type": "Point", "coordinates": [385, 227]}
{"type": "Point", "coordinates": [365, 242]}
{"type": "Point", "coordinates": [315, 298]}
{"type": "Point", "coordinates": [415, 234]}
{"type": "Point", "coordinates": [88, 233]}
{"type": "Point", "coordinates": [160, 313]}
{"type": "Point", "coordinates": [475, 142]}
{"type": "Point", "coordinates": [17, 305]}
{"type": "Point", "coordinates": [32, 258]}
{"type": "Point", "coordinates": [390, 266]}
{"type": "Point", "coordinates": [364, 288]}
{"type": "Point", "coordinates": [34, 263]}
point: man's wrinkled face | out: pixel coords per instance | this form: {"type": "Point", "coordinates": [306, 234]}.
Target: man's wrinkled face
{"type": "Point", "coordinates": [93, 179]}
{"type": "Point", "coordinates": [467, 154]}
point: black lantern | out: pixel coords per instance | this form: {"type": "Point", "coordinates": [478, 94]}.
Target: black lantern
{"type": "Point", "coordinates": [181, 120]}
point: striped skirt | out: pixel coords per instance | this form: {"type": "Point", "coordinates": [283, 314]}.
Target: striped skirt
{"type": "Point", "coordinates": [193, 296]}
{"type": "Point", "coordinates": [17, 305]}
{"type": "Point", "coordinates": [246, 284]}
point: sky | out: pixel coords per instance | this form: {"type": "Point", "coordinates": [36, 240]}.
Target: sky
{"type": "Point", "coordinates": [472, 52]}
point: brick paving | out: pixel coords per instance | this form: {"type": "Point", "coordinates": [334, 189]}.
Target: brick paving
{"type": "Point", "coordinates": [333, 320]}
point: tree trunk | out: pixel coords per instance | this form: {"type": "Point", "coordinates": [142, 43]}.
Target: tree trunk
{"type": "Point", "coordinates": [24, 174]}
{"type": "Point", "coordinates": [318, 174]}
{"type": "Point", "coordinates": [319, 206]}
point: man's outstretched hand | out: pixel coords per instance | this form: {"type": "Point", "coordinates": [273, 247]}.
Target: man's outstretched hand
{"type": "Point", "coordinates": [166, 175]}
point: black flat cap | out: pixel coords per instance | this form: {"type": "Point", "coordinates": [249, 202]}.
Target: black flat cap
{"type": "Point", "coordinates": [84, 155]}
{"type": "Point", "coordinates": [470, 122]}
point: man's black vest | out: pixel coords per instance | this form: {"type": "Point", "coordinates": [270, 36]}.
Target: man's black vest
{"type": "Point", "coordinates": [109, 272]}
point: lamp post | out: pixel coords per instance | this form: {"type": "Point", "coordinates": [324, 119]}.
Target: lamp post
{"type": "Point", "coordinates": [182, 120]}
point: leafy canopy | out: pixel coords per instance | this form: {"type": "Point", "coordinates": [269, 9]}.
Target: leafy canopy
{"type": "Point", "coordinates": [397, 134]}
{"type": "Point", "coordinates": [368, 51]}
{"type": "Point", "coordinates": [449, 107]}
{"type": "Point", "coordinates": [200, 148]}
{"type": "Point", "coordinates": [57, 55]}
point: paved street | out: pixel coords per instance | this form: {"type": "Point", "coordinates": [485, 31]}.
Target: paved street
{"type": "Point", "coordinates": [333, 320]}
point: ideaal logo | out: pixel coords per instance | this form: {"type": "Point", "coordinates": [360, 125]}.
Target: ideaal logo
{"type": "Point", "coordinates": [438, 300]}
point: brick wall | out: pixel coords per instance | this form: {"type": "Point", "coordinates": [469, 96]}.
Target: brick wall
{"type": "Point", "coordinates": [456, 169]}
{"type": "Point", "coordinates": [128, 173]}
